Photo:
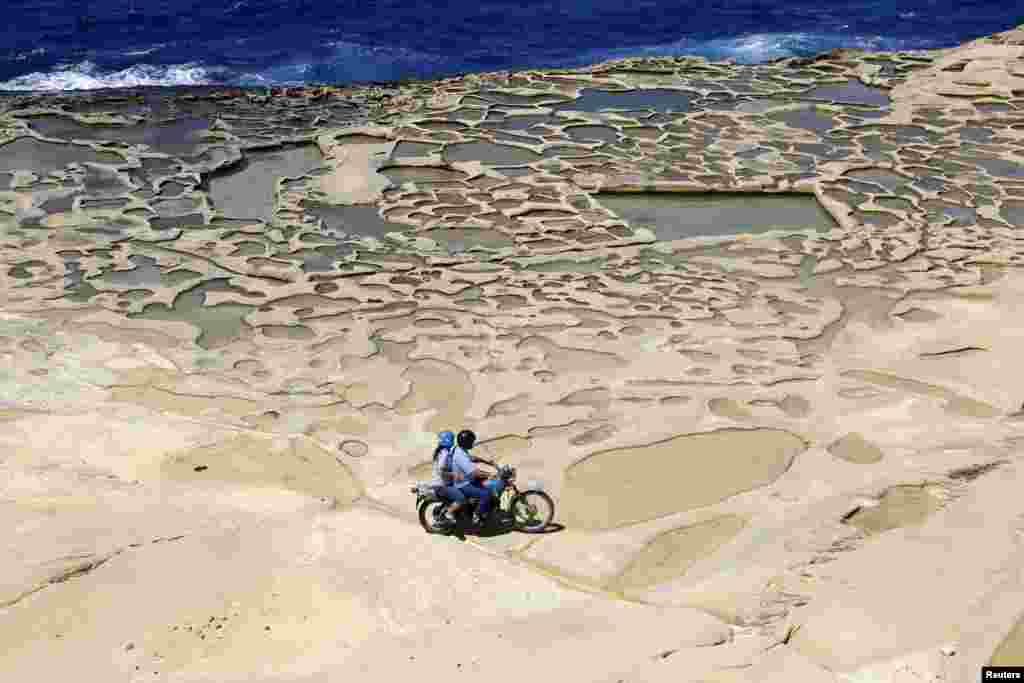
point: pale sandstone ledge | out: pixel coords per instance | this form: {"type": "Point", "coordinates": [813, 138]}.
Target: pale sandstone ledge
{"type": "Point", "coordinates": [226, 345]}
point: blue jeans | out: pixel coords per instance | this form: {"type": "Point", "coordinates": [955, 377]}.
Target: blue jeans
{"type": "Point", "coordinates": [497, 486]}
{"type": "Point", "coordinates": [453, 494]}
{"type": "Point", "coordinates": [481, 492]}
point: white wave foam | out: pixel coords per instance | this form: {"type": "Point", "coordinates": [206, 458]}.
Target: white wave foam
{"type": "Point", "coordinates": [760, 47]}
{"type": "Point", "coordinates": [763, 47]}
{"type": "Point", "coordinates": [86, 76]}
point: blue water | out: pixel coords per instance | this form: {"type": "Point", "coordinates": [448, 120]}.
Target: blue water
{"type": "Point", "coordinates": [74, 44]}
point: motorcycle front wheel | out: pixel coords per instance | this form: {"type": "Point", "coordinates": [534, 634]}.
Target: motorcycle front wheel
{"type": "Point", "coordinates": [532, 511]}
{"type": "Point", "coordinates": [431, 513]}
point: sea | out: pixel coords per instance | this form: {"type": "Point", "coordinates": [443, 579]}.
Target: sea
{"type": "Point", "coordinates": [48, 45]}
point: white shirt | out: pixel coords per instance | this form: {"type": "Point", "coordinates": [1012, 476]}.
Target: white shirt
{"type": "Point", "coordinates": [439, 465]}
{"type": "Point", "coordinates": [462, 464]}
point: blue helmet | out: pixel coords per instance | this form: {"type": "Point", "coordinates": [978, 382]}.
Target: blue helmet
{"type": "Point", "coordinates": [446, 439]}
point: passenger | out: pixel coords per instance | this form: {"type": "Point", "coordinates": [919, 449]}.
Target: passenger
{"type": "Point", "coordinates": [443, 477]}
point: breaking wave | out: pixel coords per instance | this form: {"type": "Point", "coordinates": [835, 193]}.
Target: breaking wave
{"type": "Point", "coordinates": [87, 76]}
{"type": "Point", "coordinates": [760, 47]}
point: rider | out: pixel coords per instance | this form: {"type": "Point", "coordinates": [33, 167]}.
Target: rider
{"type": "Point", "coordinates": [465, 474]}
{"type": "Point", "coordinates": [443, 477]}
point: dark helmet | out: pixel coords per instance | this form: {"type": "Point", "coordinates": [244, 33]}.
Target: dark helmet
{"type": "Point", "coordinates": [466, 439]}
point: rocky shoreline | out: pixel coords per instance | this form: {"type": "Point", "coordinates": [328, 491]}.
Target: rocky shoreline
{"type": "Point", "coordinates": [752, 326]}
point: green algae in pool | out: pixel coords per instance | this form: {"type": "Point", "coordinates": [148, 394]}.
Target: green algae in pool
{"type": "Point", "coordinates": [219, 324]}
{"type": "Point", "coordinates": [565, 266]}
{"type": "Point", "coordinates": [673, 216]}
{"type": "Point", "coordinates": [460, 239]}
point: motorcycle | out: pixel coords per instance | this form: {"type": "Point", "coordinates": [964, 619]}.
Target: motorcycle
{"type": "Point", "coordinates": [529, 510]}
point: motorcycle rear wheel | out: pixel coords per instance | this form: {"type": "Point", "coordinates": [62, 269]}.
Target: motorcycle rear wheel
{"type": "Point", "coordinates": [532, 511]}
{"type": "Point", "coordinates": [431, 513]}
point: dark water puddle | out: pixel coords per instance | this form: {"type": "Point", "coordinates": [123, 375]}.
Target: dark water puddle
{"type": "Point", "coordinates": [1001, 168]}
{"type": "Point", "coordinates": [175, 138]}
{"type": "Point", "coordinates": [677, 216]}
{"type": "Point", "coordinates": [901, 135]}
{"type": "Point", "coordinates": [169, 222]}
{"type": "Point", "coordinates": [152, 169]}
{"type": "Point", "coordinates": [490, 153]}
{"type": "Point", "coordinates": [809, 118]}
{"type": "Point", "coordinates": [104, 182]}
{"type": "Point", "coordinates": [320, 259]}
{"type": "Point", "coordinates": [171, 188]}
{"type": "Point", "coordinates": [352, 221]}
{"type": "Point", "coordinates": [975, 134]}
{"type": "Point", "coordinates": [592, 133]}
{"type": "Point", "coordinates": [824, 152]}
{"type": "Point", "coordinates": [527, 121]}
{"type": "Point", "coordinates": [146, 273]}
{"type": "Point", "coordinates": [29, 154]}
{"type": "Point", "coordinates": [414, 149]}
{"type": "Point", "coordinates": [893, 183]}
{"type": "Point", "coordinates": [930, 183]}
{"type": "Point", "coordinates": [405, 174]}
{"type": "Point", "coordinates": [246, 190]}
{"type": "Point", "coordinates": [992, 107]}
{"type": "Point", "coordinates": [60, 204]}
{"type": "Point", "coordinates": [851, 92]}
{"type": "Point", "coordinates": [658, 99]}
